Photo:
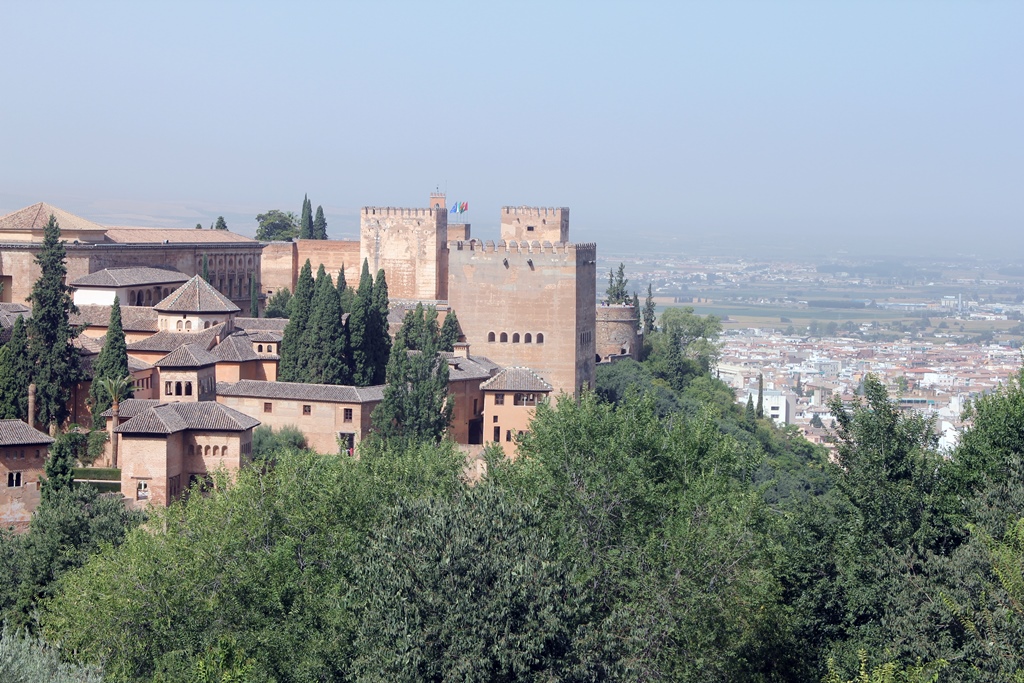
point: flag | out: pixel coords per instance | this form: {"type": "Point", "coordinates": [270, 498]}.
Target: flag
{"type": "Point", "coordinates": [455, 207]}
{"type": "Point", "coordinates": [464, 207]}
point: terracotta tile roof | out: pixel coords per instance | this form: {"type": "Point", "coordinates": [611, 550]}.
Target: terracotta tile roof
{"type": "Point", "coordinates": [130, 407]}
{"type": "Point", "coordinates": [516, 379]}
{"type": "Point", "coordinates": [17, 433]}
{"type": "Point", "coordinates": [264, 336]}
{"type": "Point", "coordinates": [133, 318]}
{"type": "Point", "coordinates": [187, 356]}
{"type": "Point", "coordinates": [36, 216]}
{"type": "Point", "coordinates": [250, 324]}
{"type": "Point", "coordinates": [167, 341]}
{"type": "Point", "coordinates": [131, 235]}
{"type": "Point", "coordinates": [169, 418]}
{"type": "Point", "coordinates": [196, 296]}
{"type": "Point", "coordinates": [235, 348]}
{"type": "Point", "coordinates": [476, 367]}
{"type": "Point", "coordinates": [130, 277]}
{"type": "Point", "coordinates": [295, 391]}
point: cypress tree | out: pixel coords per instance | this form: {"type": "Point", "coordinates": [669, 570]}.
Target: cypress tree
{"type": "Point", "coordinates": [760, 396]}
{"type": "Point", "coordinates": [319, 224]}
{"type": "Point", "coordinates": [57, 366]}
{"type": "Point", "coordinates": [112, 363]}
{"type": "Point", "coordinates": [450, 332]}
{"type": "Point", "coordinates": [323, 339]}
{"type": "Point", "coordinates": [254, 301]}
{"type": "Point", "coordinates": [750, 414]}
{"type": "Point", "coordinates": [292, 366]}
{"type": "Point", "coordinates": [206, 269]}
{"type": "Point", "coordinates": [306, 221]}
{"type": "Point", "coordinates": [360, 326]}
{"type": "Point", "coordinates": [636, 309]}
{"type": "Point", "coordinates": [221, 224]}
{"type": "Point", "coordinates": [278, 306]}
{"type": "Point", "coordinates": [382, 340]}
{"type": "Point", "coordinates": [15, 374]}
{"type": "Point", "coordinates": [650, 316]}
{"type": "Point", "coordinates": [346, 293]}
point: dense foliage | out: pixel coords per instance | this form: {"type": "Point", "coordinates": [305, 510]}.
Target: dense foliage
{"type": "Point", "coordinates": [112, 364]}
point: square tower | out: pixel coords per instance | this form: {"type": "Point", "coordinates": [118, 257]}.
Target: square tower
{"type": "Point", "coordinates": [531, 223]}
{"type": "Point", "coordinates": [411, 246]}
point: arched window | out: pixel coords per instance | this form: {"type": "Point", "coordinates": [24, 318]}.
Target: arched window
{"type": "Point", "coordinates": [270, 348]}
{"type": "Point", "coordinates": [149, 297]}
{"type": "Point", "coordinates": [504, 337]}
{"type": "Point", "coordinates": [259, 348]}
{"type": "Point", "coordinates": [177, 388]}
{"type": "Point", "coordinates": [527, 338]}
{"type": "Point", "coordinates": [131, 297]}
{"type": "Point", "coordinates": [224, 451]}
{"type": "Point", "coordinates": [216, 450]}
{"type": "Point", "coordinates": [167, 292]}
{"type": "Point", "coordinates": [188, 388]}
{"type": "Point", "coordinates": [206, 325]}
{"type": "Point", "coordinates": [207, 450]}
{"type": "Point", "coordinates": [188, 325]}
{"type": "Point", "coordinates": [515, 337]}
{"type": "Point", "coordinates": [490, 336]}
{"type": "Point", "coordinates": [181, 325]}
{"type": "Point", "coordinates": [540, 337]}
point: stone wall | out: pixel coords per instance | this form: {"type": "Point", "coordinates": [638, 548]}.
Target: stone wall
{"type": "Point", "coordinates": [616, 331]}
{"type": "Point", "coordinates": [542, 290]}
{"type": "Point", "coordinates": [409, 244]}
{"type": "Point", "coordinates": [534, 223]}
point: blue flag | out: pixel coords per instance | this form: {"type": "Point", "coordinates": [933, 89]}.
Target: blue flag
{"type": "Point", "coordinates": [454, 208]}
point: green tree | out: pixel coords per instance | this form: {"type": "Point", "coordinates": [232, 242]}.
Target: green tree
{"type": "Point", "coordinates": [326, 339]}
{"type": "Point", "coordinates": [450, 332]}
{"type": "Point", "coordinates": [294, 355]}
{"type": "Point", "coordinates": [362, 330]}
{"type": "Point", "coordinates": [275, 225]}
{"type": "Point", "coordinates": [423, 615]}
{"type": "Point", "coordinates": [199, 226]}
{"type": "Point", "coordinates": [220, 224]}
{"type": "Point", "coordinates": [346, 293]}
{"type": "Point", "coordinates": [24, 659]}
{"type": "Point", "coordinates": [750, 414]}
{"type": "Point", "coordinates": [56, 360]}
{"type": "Point", "coordinates": [206, 268]}
{"type": "Point", "coordinates": [319, 224]}
{"type": "Point", "coordinates": [419, 329]}
{"type": "Point", "coordinates": [277, 305]}
{"type": "Point", "coordinates": [759, 412]}
{"type": "Point", "coordinates": [650, 315]}
{"type": "Point", "coordinates": [15, 374]}
{"type": "Point", "coordinates": [382, 339]}
{"type": "Point", "coordinates": [306, 221]}
{"type": "Point", "coordinates": [416, 404]}
{"type": "Point", "coordinates": [616, 292]}
{"type": "Point", "coordinates": [112, 363]}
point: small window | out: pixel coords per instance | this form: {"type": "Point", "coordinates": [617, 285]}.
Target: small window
{"type": "Point", "coordinates": [13, 479]}
{"type": "Point", "coordinates": [497, 433]}
{"type": "Point", "coordinates": [494, 418]}
{"type": "Point", "coordinates": [527, 338]}
{"type": "Point", "coordinates": [216, 450]}
{"type": "Point", "coordinates": [490, 336]}
{"type": "Point", "coordinates": [177, 388]}
{"type": "Point", "coordinates": [142, 490]}
{"type": "Point", "coordinates": [188, 325]}
{"type": "Point", "coordinates": [529, 228]}
{"type": "Point", "coordinates": [348, 414]}
{"type": "Point", "coordinates": [307, 409]}
{"type": "Point", "coordinates": [181, 325]}
{"type": "Point", "coordinates": [167, 388]}
{"type": "Point", "coordinates": [508, 435]}
{"type": "Point", "coordinates": [224, 451]}
{"type": "Point", "coordinates": [188, 388]}
{"type": "Point", "coordinates": [270, 348]}
{"type": "Point", "coordinates": [515, 338]}
{"type": "Point", "coordinates": [206, 449]}
{"type": "Point", "coordinates": [504, 337]}
{"type": "Point", "coordinates": [268, 407]}
{"type": "Point", "coordinates": [499, 399]}
{"type": "Point", "coordinates": [260, 348]}
{"type": "Point", "coordinates": [540, 337]}
{"type": "Point", "coordinates": [37, 453]}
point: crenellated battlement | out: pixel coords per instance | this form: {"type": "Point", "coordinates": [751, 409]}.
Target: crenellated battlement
{"type": "Point", "coordinates": [398, 212]}
{"type": "Point", "coordinates": [587, 250]}
{"type": "Point", "coordinates": [534, 211]}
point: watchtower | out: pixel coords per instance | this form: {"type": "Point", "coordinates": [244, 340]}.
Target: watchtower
{"type": "Point", "coordinates": [531, 223]}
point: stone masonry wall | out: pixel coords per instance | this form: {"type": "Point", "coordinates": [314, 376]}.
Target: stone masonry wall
{"type": "Point", "coordinates": [410, 245]}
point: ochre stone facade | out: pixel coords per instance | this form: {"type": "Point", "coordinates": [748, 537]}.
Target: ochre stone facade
{"type": "Point", "coordinates": [534, 223]}
{"type": "Point", "coordinates": [616, 331]}
{"type": "Point", "coordinates": [528, 305]}
{"type": "Point", "coordinates": [410, 245]}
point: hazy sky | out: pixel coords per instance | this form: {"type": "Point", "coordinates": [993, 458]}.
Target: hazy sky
{"type": "Point", "coordinates": [885, 126]}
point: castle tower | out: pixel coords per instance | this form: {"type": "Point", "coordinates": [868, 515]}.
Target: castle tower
{"type": "Point", "coordinates": [437, 200]}
{"type": "Point", "coordinates": [411, 246]}
{"type": "Point", "coordinates": [531, 223]}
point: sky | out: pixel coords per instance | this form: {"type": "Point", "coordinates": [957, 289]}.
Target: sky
{"type": "Point", "coordinates": [676, 127]}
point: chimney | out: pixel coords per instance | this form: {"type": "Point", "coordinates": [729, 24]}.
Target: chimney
{"type": "Point", "coordinates": [31, 405]}
{"type": "Point", "coordinates": [461, 350]}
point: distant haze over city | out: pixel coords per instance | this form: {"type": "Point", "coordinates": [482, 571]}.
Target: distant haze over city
{"type": "Point", "coordinates": [786, 128]}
